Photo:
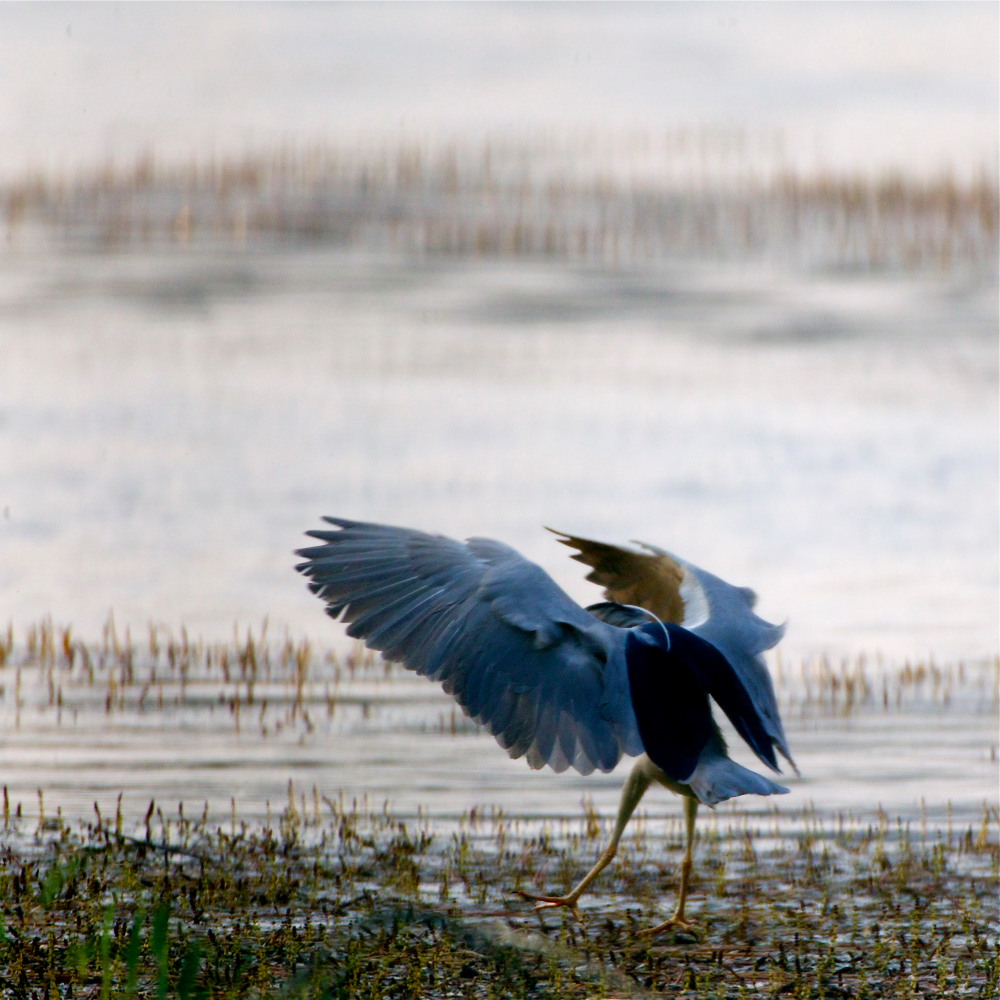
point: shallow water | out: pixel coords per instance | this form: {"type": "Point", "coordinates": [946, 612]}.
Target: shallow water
{"type": "Point", "coordinates": [120, 731]}
{"type": "Point", "coordinates": [172, 420]}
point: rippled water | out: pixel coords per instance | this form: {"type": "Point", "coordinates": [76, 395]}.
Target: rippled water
{"type": "Point", "coordinates": [173, 415]}
{"type": "Point", "coordinates": [172, 420]}
{"type": "Point", "coordinates": [923, 752]}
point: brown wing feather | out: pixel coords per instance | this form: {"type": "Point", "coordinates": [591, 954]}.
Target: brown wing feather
{"type": "Point", "coordinates": [648, 580]}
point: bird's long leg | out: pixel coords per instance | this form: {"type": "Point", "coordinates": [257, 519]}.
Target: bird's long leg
{"type": "Point", "coordinates": [635, 787]}
{"type": "Point", "coordinates": [678, 921]}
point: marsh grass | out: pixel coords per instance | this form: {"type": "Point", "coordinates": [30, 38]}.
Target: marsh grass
{"type": "Point", "coordinates": [268, 685]}
{"type": "Point", "coordinates": [326, 897]}
{"type": "Point", "coordinates": [616, 201]}
{"type": "Point", "coordinates": [334, 901]}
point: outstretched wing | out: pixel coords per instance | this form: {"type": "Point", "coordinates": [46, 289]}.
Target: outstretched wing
{"type": "Point", "coordinates": [682, 593]}
{"type": "Point", "coordinates": [642, 579]}
{"type": "Point", "coordinates": [544, 677]}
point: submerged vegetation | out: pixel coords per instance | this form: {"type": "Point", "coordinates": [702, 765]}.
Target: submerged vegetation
{"type": "Point", "coordinates": [270, 684]}
{"type": "Point", "coordinates": [325, 897]}
{"type": "Point", "coordinates": [630, 201]}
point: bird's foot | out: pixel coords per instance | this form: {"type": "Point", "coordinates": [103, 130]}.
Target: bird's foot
{"type": "Point", "coordinates": [551, 902]}
{"type": "Point", "coordinates": [675, 923]}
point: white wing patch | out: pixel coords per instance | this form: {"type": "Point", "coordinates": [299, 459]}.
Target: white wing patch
{"type": "Point", "coordinates": [696, 609]}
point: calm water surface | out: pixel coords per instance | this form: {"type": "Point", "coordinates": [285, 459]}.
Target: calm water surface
{"type": "Point", "coordinates": [171, 421]}
{"type": "Point", "coordinates": [925, 755]}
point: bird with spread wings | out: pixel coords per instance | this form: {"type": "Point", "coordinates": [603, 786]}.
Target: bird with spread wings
{"type": "Point", "coordinates": [566, 686]}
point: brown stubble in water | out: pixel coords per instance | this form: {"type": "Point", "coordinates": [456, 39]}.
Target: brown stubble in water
{"type": "Point", "coordinates": [325, 896]}
{"type": "Point", "coordinates": [331, 899]}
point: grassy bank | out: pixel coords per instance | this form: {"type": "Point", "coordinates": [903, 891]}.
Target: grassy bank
{"type": "Point", "coordinates": [333, 901]}
{"type": "Point", "coordinates": [325, 897]}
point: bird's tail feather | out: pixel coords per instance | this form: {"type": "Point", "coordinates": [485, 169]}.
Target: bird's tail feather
{"type": "Point", "coordinates": [717, 778]}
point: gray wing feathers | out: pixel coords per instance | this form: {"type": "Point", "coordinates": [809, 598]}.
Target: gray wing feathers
{"type": "Point", "coordinates": [723, 615]}
{"type": "Point", "coordinates": [520, 657]}
{"type": "Point", "coordinates": [680, 592]}
{"type": "Point", "coordinates": [717, 778]}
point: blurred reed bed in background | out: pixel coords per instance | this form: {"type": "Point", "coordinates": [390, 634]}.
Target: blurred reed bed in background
{"type": "Point", "coordinates": [625, 201]}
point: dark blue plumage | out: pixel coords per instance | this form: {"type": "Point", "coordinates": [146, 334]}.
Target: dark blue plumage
{"type": "Point", "coordinates": [670, 702]}
{"type": "Point", "coordinates": [672, 672]}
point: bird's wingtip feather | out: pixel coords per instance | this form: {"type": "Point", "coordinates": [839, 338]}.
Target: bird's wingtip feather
{"type": "Point", "coordinates": [341, 522]}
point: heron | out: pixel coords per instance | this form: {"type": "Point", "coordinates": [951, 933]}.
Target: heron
{"type": "Point", "coordinates": [566, 686]}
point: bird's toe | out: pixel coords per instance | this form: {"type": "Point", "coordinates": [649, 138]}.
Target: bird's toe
{"type": "Point", "coordinates": [677, 924]}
